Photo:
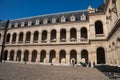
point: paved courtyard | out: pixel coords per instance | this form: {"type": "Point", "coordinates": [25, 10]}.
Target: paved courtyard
{"type": "Point", "coordinates": [10, 71]}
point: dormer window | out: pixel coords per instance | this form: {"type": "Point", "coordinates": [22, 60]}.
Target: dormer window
{"type": "Point", "coordinates": [37, 22]}
{"type": "Point", "coordinates": [53, 20]}
{"type": "Point", "coordinates": [29, 23]}
{"type": "Point", "coordinates": [72, 18]}
{"type": "Point", "coordinates": [45, 21]}
{"type": "Point", "coordinates": [22, 24]}
{"type": "Point", "coordinates": [83, 17]}
{"type": "Point", "coordinates": [9, 25]}
{"type": "Point", "coordinates": [16, 24]}
{"type": "Point", "coordinates": [63, 19]}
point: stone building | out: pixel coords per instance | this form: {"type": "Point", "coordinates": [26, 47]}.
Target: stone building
{"type": "Point", "coordinates": [91, 36]}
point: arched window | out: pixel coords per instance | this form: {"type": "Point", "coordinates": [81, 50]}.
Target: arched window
{"type": "Point", "coordinates": [98, 27]}
{"type": "Point", "coordinates": [73, 34]}
{"type": "Point", "coordinates": [34, 55]}
{"type": "Point", "coordinates": [28, 36]}
{"type": "Point", "coordinates": [36, 35]}
{"type": "Point", "coordinates": [52, 56]}
{"type": "Point", "coordinates": [62, 58]}
{"type": "Point", "coordinates": [12, 55]}
{"type": "Point", "coordinates": [14, 38]}
{"type": "Point", "coordinates": [26, 55]}
{"type": "Point", "coordinates": [44, 36]}
{"type": "Point", "coordinates": [20, 40]}
{"type": "Point", "coordinates": [100, 55]}
{"type": "Point", "coordinates": [8, 38]}
{"type": "Point", "coordinates": [84, 33]}
{"type": "Point", "coordinates": [84, 56]}
{"type": "Point", "coordinates": [18, 57]}
{"type": "Point", "coordinates": [53, 36]}
{"type": "Point", "coordinates": [62, 35]}
{"type": "Point", "coordinates": [73, 56]}
{"type": "Point", "coordinates": [42, 56]}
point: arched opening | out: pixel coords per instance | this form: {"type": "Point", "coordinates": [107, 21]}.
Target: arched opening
{"type": "Point", "coordinates": [26, 55]}
{"type": "Point", "coordinates": [73, 56]}
{"type": "Point", "coordinates": [18, 57]}
{"type": "Point", "coordinates": [44, 36]}
{"type": "Point", "coordinates": [100, 55]}
{"type": "Point", "coordinates": [28, 36]}
{"type": "Point", "coordinates": [20, 37]}
{"type": "Point", "coordinates": [53, 36]}
{"type": "Point", "coordinates": [36, 35]}
{"type": "Point", "coordinates": [14, 38]}
{"type": "Point", "coordinates": [84, 33]}
{"type": "Point", "coordinates": [73, 34]}
{"type": "Point", "coordinates": [12, 55]}
{"type": "Point", "coordinates": [98, 27]}
{"type": "Point", "coordinates": [42, 56]}
{"type": "Point", "coordinates": [34, 55]}
{"type": "Point", "coordinates": [52, 56]}
{"type": "Point", "coordinates": [84, 56]}
{"type": "Point", "coordinates": [63, 35]}
{"type": "Point", "coordinates": [62, 58]}
{"type": "Point", "coordinates": [5, 55]}
{"type": "Point", "coordinates": [8, 38]}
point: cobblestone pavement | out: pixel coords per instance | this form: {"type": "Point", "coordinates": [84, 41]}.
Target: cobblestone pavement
{"type": "Point", "coordinates": [12, 71]}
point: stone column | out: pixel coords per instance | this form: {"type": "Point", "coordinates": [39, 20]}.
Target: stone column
{"type": "Point", "coordinates": [58, 37]}
{"type": "Point", "coordinates": [57, 56]}
{"type": "Point", "coordinates": [47, 57]}
{"type": "Point", "coordinates": [22, 57]}
{"type": "Point", "coordinates": [68, 58]}
{"type": "Point", "coordinates": [39, 38]}
{"type": "Point", "coordinates": [38, 57]}
{"type": "Point", "coordinates": [78, 36]}
{"type": "Point", "coordinates": [31, 38]}
{"type": "Point", "coordinates": [15, 55]}
{"type": "Point", "coordinates": [48, 37]}
{"type": "Point", "coordinates": [8, 57]}
{"type": "Point", "coordinates": [17, 39]}
{"type": "Point", "coordinates": [78, 58]}
{"type": "Point", "coordinates": [68, 36]}
{"type": "Point", "coordinates": [24, 38]}
{"type": "Point", "coordinates": [93, 58]}
{"type": "Point", "coordinates": [10, 39]}
{"type": "Point", "coordinates": [30, 56]}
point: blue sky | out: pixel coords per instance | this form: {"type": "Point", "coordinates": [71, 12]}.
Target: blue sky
{"type": "Point", "coordinates": [14, 9]}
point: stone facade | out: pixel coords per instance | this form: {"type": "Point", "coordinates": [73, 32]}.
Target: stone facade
{"type": "Point", "coordinates": [90, 36]}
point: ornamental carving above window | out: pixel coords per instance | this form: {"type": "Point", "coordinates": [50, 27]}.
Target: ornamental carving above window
{"type": "Point", "coordinates": [83, 17]}
{"type": "Point", "coordinates": [63, 19]}
{"type": "Point", "coordinates": [72, 18]}
{"type": "Point", "coordinates": [45, 21]}
{"type": "Point", "coordinates": [53, 20]}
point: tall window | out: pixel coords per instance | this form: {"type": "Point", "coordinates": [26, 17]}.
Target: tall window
{"type": "Point", "coordinates": [8, 38]}
{"type": "Point", "coordinates": [62, 35]}
{"type": "Point", "coordinates": [53, 36]}
{"type": "Point", "coordinates": [84, 33]}
{"type": "Point", "coordinates": [44, 36]}
{"type": "Point", "coordinates": [36, 35]}
{"type": "Point", "coordinates": [73, 35]}
{"type": "Point", "coordinates": [28, 36]}
{"type": "Point", "coordinates": [20, 37]}
{"type": "Point", "coordinates": [98, 27]}
{"type": "Point", "coordinates": [14, 38]}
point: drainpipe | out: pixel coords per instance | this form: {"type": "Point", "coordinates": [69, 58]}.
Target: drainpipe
{"type": "Point", "coordinates": [4, 38]}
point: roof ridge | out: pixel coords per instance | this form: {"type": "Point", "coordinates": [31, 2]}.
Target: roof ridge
{"type": "Point", "coordinates": [50, 14]}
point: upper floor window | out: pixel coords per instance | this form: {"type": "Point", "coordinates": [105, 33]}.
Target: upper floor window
{"type": "Point", "coordinates": [29, 23]}
{"type": "Point", "coordinates": [83, 17]}
{"type": "Point", "coordinates": [45, 21]}
{"type": "Point", "coordinates": [72, 18]}
{"type": "Point", "coordinates": [98, 27]}
{"type": "Point", "coordinates": [22, 24]}
{"type": "Point", "coordinates": [63, 19]}
{"type": "Point", "coordinates": [16, 24]}
{"type": "Point", "coordinates": [53, 20]}
{"type": "Point", "coordinates": [37, 22]}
